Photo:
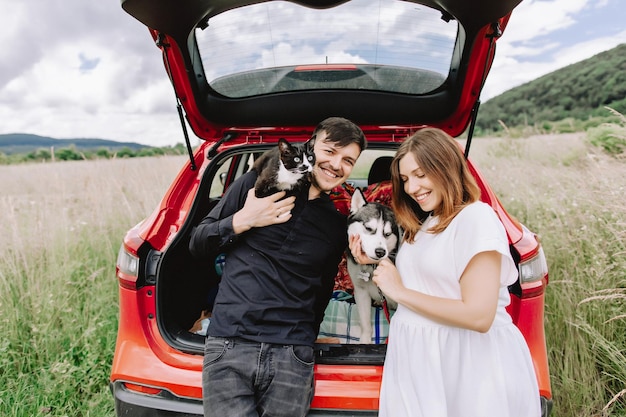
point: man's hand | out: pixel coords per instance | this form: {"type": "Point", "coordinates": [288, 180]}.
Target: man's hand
{"type": "Point", "coordinates": [259, 212]}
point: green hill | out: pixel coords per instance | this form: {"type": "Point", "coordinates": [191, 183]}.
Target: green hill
{"type": "Point", "coordinates": [14, 143]}
{"type": "Point", "coordinates": [578, 91]}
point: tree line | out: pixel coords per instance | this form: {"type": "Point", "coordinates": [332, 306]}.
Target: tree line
{"type": "Point", "coordinates": [72, 153]}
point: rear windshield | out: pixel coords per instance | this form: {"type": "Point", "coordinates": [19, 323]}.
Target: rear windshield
{"type": "Point", "coordinates": [273, 47]}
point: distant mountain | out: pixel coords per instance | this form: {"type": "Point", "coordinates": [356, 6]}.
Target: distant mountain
{"type": "Point", "coordinates": [578, 91]}
{"type": "Point", "coordinates": [14, 143]}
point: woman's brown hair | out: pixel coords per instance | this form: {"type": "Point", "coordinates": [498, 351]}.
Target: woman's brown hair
{"type": "Point", "coordinates": [440, 158]}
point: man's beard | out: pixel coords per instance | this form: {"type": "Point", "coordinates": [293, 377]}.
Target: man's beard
{"type": "Point", "coordinates": [315, 183]}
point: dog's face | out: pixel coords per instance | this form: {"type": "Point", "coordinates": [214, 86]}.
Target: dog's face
{"type": "Point", "coordinates": [375, 224]}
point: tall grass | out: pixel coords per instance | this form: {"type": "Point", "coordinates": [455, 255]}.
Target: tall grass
{"type": "Point", "coordinates": [574, 196]}
{"type": "Point", "coordinates": [61, 229]}
{"type": "Point", "coordinates": [63, 224]}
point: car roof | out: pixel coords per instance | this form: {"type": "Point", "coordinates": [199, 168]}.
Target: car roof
{"type": "Point", "coordinates": [213, 50]}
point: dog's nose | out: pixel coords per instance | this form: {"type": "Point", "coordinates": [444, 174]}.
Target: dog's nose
{"type": "Point", "coordinates": [380, 252]}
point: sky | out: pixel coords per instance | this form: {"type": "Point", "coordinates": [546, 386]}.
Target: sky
{"type": "Point", "coordinates": [78, 68]}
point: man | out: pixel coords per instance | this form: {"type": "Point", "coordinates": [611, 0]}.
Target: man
{"type": "Point", "coordinates": [282, 257]}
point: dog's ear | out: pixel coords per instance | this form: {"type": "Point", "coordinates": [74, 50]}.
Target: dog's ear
{"type": "Point", "coordinates": [358, 201]}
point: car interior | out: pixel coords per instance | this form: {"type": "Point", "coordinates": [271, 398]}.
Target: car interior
{"type": "Point", "coordinates": [187, 285]}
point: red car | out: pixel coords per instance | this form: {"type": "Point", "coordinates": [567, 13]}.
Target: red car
{"type": "Point", "coordinates": [246, 73]}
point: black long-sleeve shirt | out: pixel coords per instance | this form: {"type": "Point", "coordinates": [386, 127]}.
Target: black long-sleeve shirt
{"type": "Point", "coordinates": [277, 280]}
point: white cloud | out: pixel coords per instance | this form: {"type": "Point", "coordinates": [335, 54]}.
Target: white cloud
{"type": "Point", "coordinates": [533, 19]}
{"type": "Point", "coordinates": [94, 72]}
{"type": "Point", "coordinates": [76, 68]}
{"type": "Point", "coordinates": [527, 50]}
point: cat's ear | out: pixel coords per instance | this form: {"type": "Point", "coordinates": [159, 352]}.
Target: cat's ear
{"type": "Point", "coordinates": [283, 145]}
{"type": "Point", "coordinates": [309, 144]}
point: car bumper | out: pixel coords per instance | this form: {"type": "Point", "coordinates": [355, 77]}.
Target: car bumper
{"type": "Point", "coordinates": [166, 404]}
{"type": "Point", "coordinates": [546, 407]}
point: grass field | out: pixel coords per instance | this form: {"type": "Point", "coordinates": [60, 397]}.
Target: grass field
{"type": "Point", "coordinates": [574, 197]}
{"type": "Point", "coordinates": [61, 229]}
{"type": "Point", "coordinates": [63, 224]}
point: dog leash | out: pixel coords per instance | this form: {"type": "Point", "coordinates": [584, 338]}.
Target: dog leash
{"type": "Point", "coordinates": [383, 299]}
{"type": "Point", "coordinates": [385, 306]}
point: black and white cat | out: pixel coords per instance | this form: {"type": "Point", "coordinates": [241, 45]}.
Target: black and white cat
{"type": "Point", "coordinates": [284, 168]}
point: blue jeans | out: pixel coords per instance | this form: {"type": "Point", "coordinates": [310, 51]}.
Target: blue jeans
{"type": "Point", "coordinates": [242, 378]}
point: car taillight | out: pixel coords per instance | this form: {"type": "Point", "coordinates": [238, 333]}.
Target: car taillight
{"type": "Point", "coordinates": [143, 388]}
{"type": "Point", "coordinates": [127, 268]}
{"type": "Point", "coordinates": [533, 274]}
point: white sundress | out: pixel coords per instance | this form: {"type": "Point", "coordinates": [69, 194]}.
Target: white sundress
{"type": "Point", "coordinates": [435, 370]}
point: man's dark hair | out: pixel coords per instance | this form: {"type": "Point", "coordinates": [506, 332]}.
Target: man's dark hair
{"type": "Point", "coordinates": [342, 132]}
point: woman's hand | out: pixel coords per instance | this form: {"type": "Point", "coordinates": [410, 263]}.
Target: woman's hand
{"type": "Point", "coordinates": [475, 310]}
{"type": "Point", "coordinates": [354, 243]}
{"type": "Point", "coordinates": [259, 212]}
{"type": "Point", "coordinates": [387, 277]}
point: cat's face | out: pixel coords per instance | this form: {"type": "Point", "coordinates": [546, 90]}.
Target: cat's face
{"type": "Point", "coordinates": [298, 158]}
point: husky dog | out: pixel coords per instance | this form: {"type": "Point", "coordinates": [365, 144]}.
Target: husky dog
{"type": "Point", "coordinates": [380, 236]}
{"type": "Point", "coordinates": [284, 168]}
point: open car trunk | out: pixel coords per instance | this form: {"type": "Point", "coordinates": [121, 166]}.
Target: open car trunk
{"type": "Point", "coordinates": [233, 63]}
{"type": "Point", "coordinates": [185, 286]}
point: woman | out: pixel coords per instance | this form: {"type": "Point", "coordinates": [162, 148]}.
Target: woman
{"type": "Point", "coordinates": [453, 349]}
